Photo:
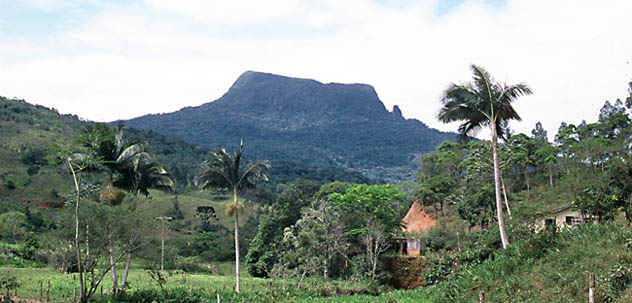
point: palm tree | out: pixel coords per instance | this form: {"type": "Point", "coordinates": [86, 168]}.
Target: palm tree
{"type": "Point", "coordinates": [138, 172]}
{"type": "Point", "coordinates": [224, 171]}
{"type": "Point", "coordinates": [479, 104]}
{"type": "Point", "coordinates": [131, 167]}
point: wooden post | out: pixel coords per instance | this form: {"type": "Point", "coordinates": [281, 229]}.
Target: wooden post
{"type": "Point", "coordinates": [591, 287]}
{"type": "Point", "coordinates": [41, 290]}
{"type": "Point", "coordinates": [481, 297]}
{"type": "Point", "coordinates": [48, 292]}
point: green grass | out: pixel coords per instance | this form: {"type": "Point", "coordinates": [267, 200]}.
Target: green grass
{"type": "Point", "coordinates": [551, 268]}
{"type": "Point", "coordinates": [158, 203]}
{"type": "Point", "coordinates": [253, 289]}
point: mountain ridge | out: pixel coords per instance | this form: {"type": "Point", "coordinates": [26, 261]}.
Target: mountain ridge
{"type": "Point", "coordinates": [303, 120]}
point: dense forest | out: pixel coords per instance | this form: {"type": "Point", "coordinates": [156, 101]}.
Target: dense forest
{"type": "Point", "coordinates": [145, 217]}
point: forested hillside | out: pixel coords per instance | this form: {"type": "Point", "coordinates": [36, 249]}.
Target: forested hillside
{"type": "Point", "coordinates": [305, 121]}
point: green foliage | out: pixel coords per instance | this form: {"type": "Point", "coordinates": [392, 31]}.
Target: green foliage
{"type": "Point", "coordinates": [13, 226]}
{"type": "Point", "coordinates": [371, 203]}
{"type": "Point", "coordinates": [433, 191]}
{"type": "Point", "coordinates": [549, 267]}
{"type": "Point", "coordinates": [211, 246]}
{"type": "Point", "coordinates": [265, 246]}
{"type": "Point", "coordinates": [478, 207]}
{"type": "Point", "coordinates": [597, 201]}
{"type": "Point", "coordinates": [8, 282]}
{"type": "Point", "coordinates": [34, 156]}
{"type": "Point", "coordinates": [10, 184]}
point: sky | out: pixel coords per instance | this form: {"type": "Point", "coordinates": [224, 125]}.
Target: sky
{"type": "Point", "coordinates": [114, 59]}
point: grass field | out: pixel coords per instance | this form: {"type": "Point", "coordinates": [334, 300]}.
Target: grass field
{"type": "Point", "coordinates": [63, 287]}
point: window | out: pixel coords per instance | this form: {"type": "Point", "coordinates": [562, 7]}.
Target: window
{"type": "Point", "coordinates": [569, 220]}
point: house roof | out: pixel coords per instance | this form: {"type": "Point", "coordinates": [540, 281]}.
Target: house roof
{"type": "Point", "coordinates": [554, 211]}
{"type": "Point", "coordinates": [417, 220]}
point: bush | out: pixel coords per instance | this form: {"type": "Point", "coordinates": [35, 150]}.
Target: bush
{"type": "Point", "coordinates": [177, 295]}
{"type": "Point", "coordinates": [34, 156]}
{"type": "Point", "coordinates": [10, 184]}
{"type": "Point", "coordinates": [32, 170]}
{"type": "Point", "coordinates": [13, 226]}
{"type": "Point", "coordinates": [29, 246]}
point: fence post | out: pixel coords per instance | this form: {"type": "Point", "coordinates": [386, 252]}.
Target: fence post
{"type": "Point", "coordinates": [41, 290]}
{"type": "Point", "coordinates": [481, 297]}
{"type": "Point", "coordinates": [591, 287]}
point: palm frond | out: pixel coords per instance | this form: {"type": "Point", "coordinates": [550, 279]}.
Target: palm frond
{"type": "Point", "coordinates": [480, 102]}
{"type": "Point", "coordinates": [222, 171]}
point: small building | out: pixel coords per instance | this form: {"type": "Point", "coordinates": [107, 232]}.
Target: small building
{"type": "Point", "coordinates": [416, 222]}
{"type": "Point", "coordinates": [562, 217]}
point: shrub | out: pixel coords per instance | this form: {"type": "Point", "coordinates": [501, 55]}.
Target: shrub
{"type": "Point", "coordinates": [32, 170]}
{"type": "Point", "coordinates": [10, 184]}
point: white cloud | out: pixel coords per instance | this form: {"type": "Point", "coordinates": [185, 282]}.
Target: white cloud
{"type": "Point", "coordinates": [159, 56]}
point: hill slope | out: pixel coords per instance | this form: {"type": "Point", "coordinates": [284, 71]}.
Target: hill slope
{"type": "Point", "coordinates": [27, 131]}
{"type": "Point", "coordinates": [303, 120]}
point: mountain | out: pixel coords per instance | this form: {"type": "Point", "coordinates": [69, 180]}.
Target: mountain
{"type": "Point", "coordinates": [302, 120]}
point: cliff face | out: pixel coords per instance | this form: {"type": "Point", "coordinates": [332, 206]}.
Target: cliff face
{"type": "Point", "coordinates": [303, 120]}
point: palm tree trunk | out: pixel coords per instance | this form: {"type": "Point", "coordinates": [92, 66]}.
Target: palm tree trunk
{"type": "Point", "coordinates": [502, 181]}
{"type": "Point", "coordinates": [499, 205]}
{"type": "Point", "coordinates": [236, 242]}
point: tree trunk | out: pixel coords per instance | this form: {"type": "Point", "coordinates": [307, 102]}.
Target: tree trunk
{"type": "Point", "coordinates": [236, 243]}
{"type": "Point", "coordinates": [303, 275]}
{"type": "Point", "coordinates": [87, 241]}
{"type": "Point", "coordinates": [326, 263]}
{"type": "Point", "coordinates": [126, 272]}
{"type": "Point", "coordinates": [82, 292]}
{"type": "Point", "coordinates": [551, 176]}
{"type": "Point", "coordinates": [502, 181]}
{"type": "Point", "coordinates": [112, 264]}
{"type": "Point", "coordinates": [499, 206]}
{"type": "Point", "coordinates": [591, 287]}
{"type": "Point", "coordinates": [526, 176]}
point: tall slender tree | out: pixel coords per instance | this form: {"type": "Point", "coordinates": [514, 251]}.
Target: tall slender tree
{"type": "Point", "coordinates": [131, 167]}
{"type": "Point", "coordinates": [225, 171]}
{"type": "Point", "coordinates": [479, 104]}
{"type": "Point", "coordinates": [138, 172]}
